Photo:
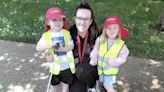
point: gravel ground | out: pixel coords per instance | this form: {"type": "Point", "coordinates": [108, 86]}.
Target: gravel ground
{"type": "Point", "coordinates": [22, 69]}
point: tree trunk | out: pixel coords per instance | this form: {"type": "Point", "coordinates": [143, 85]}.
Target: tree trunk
{"type": "Point", "coordinates": [161, 24]}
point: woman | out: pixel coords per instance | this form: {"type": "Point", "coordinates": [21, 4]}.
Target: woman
{"type": "Point", "coordinates": [84, 33]}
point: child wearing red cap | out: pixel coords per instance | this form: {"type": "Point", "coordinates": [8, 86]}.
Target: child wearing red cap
{"type": "Point", "coordinates": [58, 41]}
{"type": "Point", "coordinates": [110, 52]}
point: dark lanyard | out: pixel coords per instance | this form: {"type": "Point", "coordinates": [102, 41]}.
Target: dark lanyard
{"type": "Point", "coordinates": [84, 47]}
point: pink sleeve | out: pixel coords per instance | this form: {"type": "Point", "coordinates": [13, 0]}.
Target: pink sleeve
{"type": "Point", "coordinates": [94, 52]}
{"type": "Point", "coordinates": [116, 62]}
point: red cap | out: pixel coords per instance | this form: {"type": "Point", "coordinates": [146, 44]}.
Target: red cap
{"type": "Point", "coordinates": [54, 13]}
{"type": "Point", "coordinates": [116, 20]}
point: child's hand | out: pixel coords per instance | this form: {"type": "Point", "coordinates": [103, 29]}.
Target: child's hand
{"type": "Point", "coordinates": [49, 46]}
{"type": "Point", "coordinates": [49, 58]}
{"type": "Point", "coordinates": [92, 63]}
{"type": "Point", "coordinates": [76, 60]}
{"type": "Point", "coordinates": [62, 49]}
{"type": "Point", "coordinates": [57, 45]}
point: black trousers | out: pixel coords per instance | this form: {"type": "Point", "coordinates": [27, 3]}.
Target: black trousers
{"type": "Point", "coordinates": [85, 75]}
{"type": "Point", "coordinates": [77, 86]}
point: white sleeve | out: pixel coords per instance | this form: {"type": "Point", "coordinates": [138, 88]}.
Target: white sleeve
{"type": "Point", "coordinates": [41, 42]}
{"type": "Point", "coordinates": [70, 41]}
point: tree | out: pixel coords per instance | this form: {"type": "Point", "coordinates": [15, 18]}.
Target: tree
{"type": "Point", "coordinates": [161, 24]}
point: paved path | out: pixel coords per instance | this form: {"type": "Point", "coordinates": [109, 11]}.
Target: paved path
{"type": "Point", "coordinates": [22, 69]}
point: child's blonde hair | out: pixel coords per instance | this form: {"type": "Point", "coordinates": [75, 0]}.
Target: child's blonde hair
{"type": "Point", "coordinates": [113, 20]}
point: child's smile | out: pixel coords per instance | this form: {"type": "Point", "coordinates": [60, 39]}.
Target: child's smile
{"type": "Point", "coordinates": [56, 24]}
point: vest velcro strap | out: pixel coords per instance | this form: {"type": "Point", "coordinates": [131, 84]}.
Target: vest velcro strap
{"type": "Point", "coordinates": [101, 58]}
{"type": "Point", "coordinates": [107, 71]}
{"type": "Point", "coordinates": [105, 67]}
{"type": "Point", "coordinates": [99, 67]}
{"type": "Point", "coordinates": [54, 68]}
{"type": "Point", "coordinates": [102, 64]}
{"type": "Point", "coordinates": [111, 71]}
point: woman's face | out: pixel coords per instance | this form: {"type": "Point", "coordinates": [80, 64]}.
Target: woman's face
{"type": "Point", "coordinates": [83, 20]}
{"type": "Point", "coordinates": [112, 31]}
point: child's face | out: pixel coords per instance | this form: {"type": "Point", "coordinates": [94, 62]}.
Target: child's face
{"type": "Point", "coordinates": [56, 24]}
{"type": "Point", "coordinates": [112, 30]}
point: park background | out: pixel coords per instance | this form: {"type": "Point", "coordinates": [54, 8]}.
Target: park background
{"type": "Point", "coordinates": [22, 24]}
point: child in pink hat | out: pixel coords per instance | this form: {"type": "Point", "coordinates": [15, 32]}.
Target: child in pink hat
{"type": "Point", "coordinates": [59, 13]}
{"type": "Point", "coordinates": [58, 41]}
{"type": "Point", "coordinates": [110, 52]}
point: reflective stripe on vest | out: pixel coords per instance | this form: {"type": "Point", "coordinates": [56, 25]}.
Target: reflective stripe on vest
{"type": "Point", "coordinates": [104, 54]}
{"type": "Point", "coordinates": [55, 67]}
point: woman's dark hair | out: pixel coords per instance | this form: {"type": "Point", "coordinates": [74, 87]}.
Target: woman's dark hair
{"type": "Point", "coordinates": [94, 31]}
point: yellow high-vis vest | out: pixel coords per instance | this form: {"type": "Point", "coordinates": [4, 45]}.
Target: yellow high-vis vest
{"type": "Point", "coordinates": [55, 66]}
{"type": "Point", "coordinates": [104, 54]}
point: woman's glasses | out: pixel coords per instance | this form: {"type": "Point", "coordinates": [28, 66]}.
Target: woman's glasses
{"type": "Point", "coordinates": [83, 19]}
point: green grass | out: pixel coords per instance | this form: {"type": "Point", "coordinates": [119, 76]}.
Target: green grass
{"type": "Point", "coordinates": [23, 21]}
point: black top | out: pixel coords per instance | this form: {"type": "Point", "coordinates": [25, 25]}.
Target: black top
{"type": "Point", "coordinates": [90, 43]}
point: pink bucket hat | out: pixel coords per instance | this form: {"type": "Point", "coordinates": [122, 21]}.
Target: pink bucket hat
{"type": "Point", "coordinates": [116, 20]}
{"type": "Point", "coordinates": [54, 13]}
